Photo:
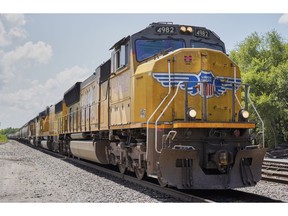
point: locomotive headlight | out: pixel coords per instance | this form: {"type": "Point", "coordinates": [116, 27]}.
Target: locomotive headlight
{"type": "Point", "coordinates": [192, 113]}
{"type": "Point", "coordinates": [190, 29]}
{"type": "Point", "coordinates": [245, 114]}
{"type": "Point", "coordinates": [183, 29]}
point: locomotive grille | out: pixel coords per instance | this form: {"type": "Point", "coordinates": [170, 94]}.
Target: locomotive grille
{"type": "Point", "coordinates": [183, 162]}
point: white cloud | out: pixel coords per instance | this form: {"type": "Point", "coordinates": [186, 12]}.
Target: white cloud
{"type": "Point", "coordinates": [17, 19]}
{"type": "Point", "coordinates": [283, 19]}
{"type": "Point", "coordinates": [22, 57]}
{"type": "Point", "coordinates": [39, 52]}
{"type": "Point", "coordinates": [39, 95]}
{"type": "Point", "coordinates": [72, 75]}
{"type": "Point", "coordinates": [17, 32]}
{"type": "Point", "coordinates": [4, 39]}
{"type": "Point", "coordinates": [11, 28]}
{"type": "Point", "coordinates": [24, 104]}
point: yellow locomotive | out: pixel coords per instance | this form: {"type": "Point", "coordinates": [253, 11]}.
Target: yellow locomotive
{"type": "Point", "coordinates": [167, 104]}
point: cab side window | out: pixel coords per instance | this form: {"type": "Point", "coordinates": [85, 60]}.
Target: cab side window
{"type": "Point", "coordinates": [120, 55]}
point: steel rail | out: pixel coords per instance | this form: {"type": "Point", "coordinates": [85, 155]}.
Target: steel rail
{"type": "Point", "coordinates": [275, 171]}
{"type": "Point", "coordinates": [274, 179]}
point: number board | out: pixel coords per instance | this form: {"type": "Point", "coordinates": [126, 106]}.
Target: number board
{"type": "Point", "coordinates": [165, 30]}
{"type": "Point", "coordinates": [202, 33]}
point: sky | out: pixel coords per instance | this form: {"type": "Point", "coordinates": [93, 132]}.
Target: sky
{"type": "Point", "coordinates": [44, 51]}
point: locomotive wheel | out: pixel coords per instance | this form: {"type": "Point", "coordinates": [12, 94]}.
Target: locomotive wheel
{"type": "Point", "coordinates": [162, 182]}
{"type": "Point", "coordinates": [112, 159]}
{"type": "Point", "coordinates": [68, 150]}
{"type": "Point", "coordinates": [139, 172]}
{"type": "Point", "coordinates": [122, 168]}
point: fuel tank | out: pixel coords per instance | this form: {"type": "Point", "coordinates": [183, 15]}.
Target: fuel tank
{"type": "Point", "coordinates": [89, 150]}
{"type": "Point", "coordinates": [44, 144]}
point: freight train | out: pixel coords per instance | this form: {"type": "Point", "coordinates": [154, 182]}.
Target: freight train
{"type": "Point", "coordinates": [169, 104]}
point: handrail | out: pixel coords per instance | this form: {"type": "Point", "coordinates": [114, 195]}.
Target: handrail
{"type": "Point", "coordinates": [251, 102]}
{"type": "Point", "coordinates": [161, 114]}
{"type": "Point", "coordinates": [164, 99]}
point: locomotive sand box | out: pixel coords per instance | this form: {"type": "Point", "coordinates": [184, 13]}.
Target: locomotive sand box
{"type": "Point", "coordinates": [167, 104]}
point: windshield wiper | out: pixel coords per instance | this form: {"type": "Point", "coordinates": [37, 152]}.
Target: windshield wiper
{"type": "Point", "coordinates": [161, 52]}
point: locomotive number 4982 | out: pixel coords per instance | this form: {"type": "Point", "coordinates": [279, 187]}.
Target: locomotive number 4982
{"type": "Point", "coordinates": [166, 30]}
{"type": "Point", "coordinates": [202, 33]}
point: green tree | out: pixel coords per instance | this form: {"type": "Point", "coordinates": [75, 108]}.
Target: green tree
{"type": "Point", "coordinates": [9, 130]}
{"type": "Point", "coordinates": [263, 63]}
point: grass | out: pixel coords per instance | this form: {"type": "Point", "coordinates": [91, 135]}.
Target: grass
{"type": "Point", "coordinates": [3, 138]}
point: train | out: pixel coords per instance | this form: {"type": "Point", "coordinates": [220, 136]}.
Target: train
{"type": "Point", "coordinates": [169, 104]}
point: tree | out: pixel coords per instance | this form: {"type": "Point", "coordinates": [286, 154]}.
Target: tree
{"type": "Point", "coordinates": [9, 130]}
{"type": "Point", "coordinates": [264, 66]}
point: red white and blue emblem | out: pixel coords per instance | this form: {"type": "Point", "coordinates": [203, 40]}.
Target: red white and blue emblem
{"type": "Point", "coordinates": [214, 85]}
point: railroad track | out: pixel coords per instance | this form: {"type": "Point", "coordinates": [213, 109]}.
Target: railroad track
{"type": "Point", "coordinates": [167, 191]}
{"type": "Point", "coordinates": [182, 196]}
{"type": "Point", "coordinates": [200, 196]}
{"type": "Point", "coordinates": [275, 171]}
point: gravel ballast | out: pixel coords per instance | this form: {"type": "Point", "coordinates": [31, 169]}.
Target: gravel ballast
{"type": "Point", "coordinates": [29, 175]}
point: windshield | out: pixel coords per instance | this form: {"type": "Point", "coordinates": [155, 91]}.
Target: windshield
{"type": "Point", "coordinates": [147, 48]}
{"type": "Point", "coordinates": [198, 44]}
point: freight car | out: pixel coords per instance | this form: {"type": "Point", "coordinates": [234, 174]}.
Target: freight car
{"type": "Point", "coordinates": [167, 104]}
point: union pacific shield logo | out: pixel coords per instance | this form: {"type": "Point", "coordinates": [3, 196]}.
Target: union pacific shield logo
{"type": "Point", "coordinates": [207, 77]}
{"type": "Point", "coordinates": [215, 86]}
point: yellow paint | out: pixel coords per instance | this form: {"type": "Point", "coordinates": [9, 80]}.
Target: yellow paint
{"type": "Point", "coordinates": [140, 125]}
{"type": "Point", "coordinates": [64, 118]}
{"type": "Point", "coordinates": [104, 106]}
{"type": "Point", "coordinates": [213, 125]}
{"type": "Point", "coordinates": [120, 97]}
{"type": "Point", "coordinates": [149, 92]}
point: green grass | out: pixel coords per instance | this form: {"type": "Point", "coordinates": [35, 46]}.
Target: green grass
{"type": "Point", "coordinates": [3, 138]}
